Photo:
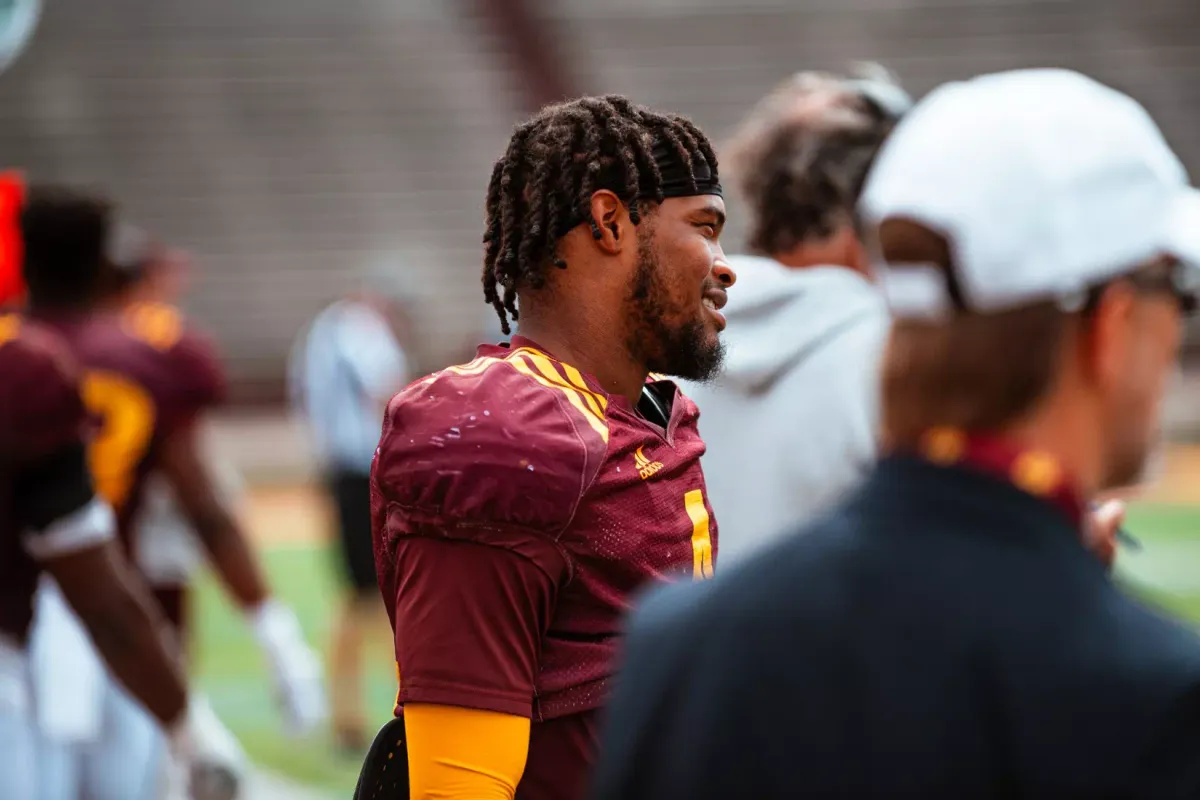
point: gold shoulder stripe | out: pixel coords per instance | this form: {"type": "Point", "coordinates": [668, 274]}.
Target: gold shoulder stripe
{"type": "Point", "coordinates": [472, 367]}
{"type": "Point", "coordinates": [573, 397]}
{"type": "Point", "coordinates": [480, 363]}
{"type": "Point", "coordinates": [657, 376]}
{"type": "Point", "coordinates": [546, 367]}
{"type": "Point", "coordinates": [577, 380]}
{"type": "Point", "coordinates": [539, 367]}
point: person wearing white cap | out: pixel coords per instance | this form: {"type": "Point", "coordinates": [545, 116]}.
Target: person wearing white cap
{"type": "Point", "coordinates": [947, 631]}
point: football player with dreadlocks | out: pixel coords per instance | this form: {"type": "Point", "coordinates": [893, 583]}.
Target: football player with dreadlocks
{"type": "Point", "coordinates": [521, 499]}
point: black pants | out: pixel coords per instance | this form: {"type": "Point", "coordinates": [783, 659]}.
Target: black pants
{"type": "Point", "coordinates": [352, 496]}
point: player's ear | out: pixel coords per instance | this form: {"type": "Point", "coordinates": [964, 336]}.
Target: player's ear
{"type": "Point", "coordinates": [1109, 335]}
{"type": "Point", "coordinates": [609, 221]}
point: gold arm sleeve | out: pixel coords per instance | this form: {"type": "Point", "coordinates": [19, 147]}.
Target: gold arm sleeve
{"type": "Point", "coordinates": [457, 753]}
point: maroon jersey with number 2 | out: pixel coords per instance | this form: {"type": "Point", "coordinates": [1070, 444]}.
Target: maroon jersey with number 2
{"type": "Point", "coordinates": [517, 509]}
{"type": "Point", "coordinates": [146, 374]}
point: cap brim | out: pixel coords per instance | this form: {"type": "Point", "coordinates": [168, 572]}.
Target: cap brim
{"type": "Point", "coordinates": [1183, 228]}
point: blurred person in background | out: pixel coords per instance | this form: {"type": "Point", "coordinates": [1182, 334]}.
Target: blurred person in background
{"type": "Point", "coordinates": [345, 367]}
{"type": "Point", "coordinates": [952, 630]}
{"type": "Point", "coordinates": [146, 283]}
{"type": "Point", "coordinates": [148, 380]}
{"type": "Point", "coordinates": [792, 421]}
{"type": "Point", "coordinates": [52, 519]}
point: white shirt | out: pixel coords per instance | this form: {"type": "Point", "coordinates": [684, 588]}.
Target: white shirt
{"type": "Point", "coordinates": [344, 368]}
{"type": "Point", "coordinates": [792, 423]}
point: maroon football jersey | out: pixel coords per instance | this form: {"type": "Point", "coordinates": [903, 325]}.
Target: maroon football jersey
{"type": "Point", "coordinates": [517, 510]}
{"type": "Point", "coordinates": [145, 374]}
{"type": "Point", "coordinates": [40, 414]}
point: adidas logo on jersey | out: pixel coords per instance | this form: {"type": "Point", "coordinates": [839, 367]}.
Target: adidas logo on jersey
{"type": "Point", "coordinates": [645, 466]}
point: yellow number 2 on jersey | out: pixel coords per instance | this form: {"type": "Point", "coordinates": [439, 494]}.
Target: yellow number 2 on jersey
{"type": "Point", "coordinates": [127, 417]}
{"type": "Point", "coordinates": [702, 552]}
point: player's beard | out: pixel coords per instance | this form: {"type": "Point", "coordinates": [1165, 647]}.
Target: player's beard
{"type": "Point", "coordinates": [684, 350]}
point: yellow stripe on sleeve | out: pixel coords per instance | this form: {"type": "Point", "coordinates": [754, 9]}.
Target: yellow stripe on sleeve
{"type": "Point", "coordinates": [577, 379]}
{"type": "Point", "coordinates": [539, 367]}
{"type": "Point", "coordinates": [547, 369]}
{"type": "Point", "coordinates": [573, 396]}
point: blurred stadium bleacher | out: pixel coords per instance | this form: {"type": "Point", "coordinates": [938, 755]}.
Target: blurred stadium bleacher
{"type": "Point", "coordinates": [291, 143]}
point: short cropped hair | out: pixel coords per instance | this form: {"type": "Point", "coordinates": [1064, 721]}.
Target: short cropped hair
{"type": "Point", "coordinates": [64, 231]}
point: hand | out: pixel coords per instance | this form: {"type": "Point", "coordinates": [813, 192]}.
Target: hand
{"type": "Point", "coordinates": [295, 668]}
{"type": "Point", "coordinates": [1100, 535]}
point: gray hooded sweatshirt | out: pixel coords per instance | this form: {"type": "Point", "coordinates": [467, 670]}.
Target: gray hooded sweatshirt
{"type": "Point", "coordinates": [791, 424]}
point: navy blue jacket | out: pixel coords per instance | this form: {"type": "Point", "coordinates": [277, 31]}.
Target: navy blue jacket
{"type": "Point", "coordinates": [942, 634]}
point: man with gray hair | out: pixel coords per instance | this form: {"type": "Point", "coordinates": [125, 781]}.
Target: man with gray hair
{"type": "Point", "coordinates": [792, 422]}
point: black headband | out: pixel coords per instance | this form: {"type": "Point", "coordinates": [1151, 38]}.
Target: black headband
{"type": "Point", "coordinates": [677, 178]}
{"type": "Point", "coordinates": [676, 181]}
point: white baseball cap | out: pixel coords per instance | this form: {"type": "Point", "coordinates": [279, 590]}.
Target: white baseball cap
{"type": "Point", "coordinates": [1044, 182]}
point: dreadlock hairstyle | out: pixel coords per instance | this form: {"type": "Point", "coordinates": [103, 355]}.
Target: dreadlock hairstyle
{"type": "Point", "coordinates": [542, 186]}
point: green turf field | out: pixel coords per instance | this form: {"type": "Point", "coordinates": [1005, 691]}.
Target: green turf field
{"type": "Point", "coordinates": [1167, 572]}
{"type": "Point", "coordinates": [231, 670]}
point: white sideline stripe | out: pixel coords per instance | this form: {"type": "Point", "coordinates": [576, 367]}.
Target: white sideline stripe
{"type": "Point", "coordinates": [266, 785]}
{"type": "Point", "coordinates": [1166, 566]}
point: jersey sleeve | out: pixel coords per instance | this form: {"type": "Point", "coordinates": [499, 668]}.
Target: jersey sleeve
{"type": "Point", "coordinates": [480, 460]}
{"type": "Point", "coordinates": [57, 505]}
{"type": "Point", "coordinates": [41, 411]}
{"type": "Point", "coordinates": [475, 481]}
{"type": "Point", "coordinates": [469, 620]}
{"type": "Point", "coordinates": [43, 432]}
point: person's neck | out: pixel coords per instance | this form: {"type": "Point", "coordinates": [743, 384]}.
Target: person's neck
{"type": "Point", "coordinates": [837, 250]}
{"type": "Point", "coordinates": [805, 257]}
{"type": "Point", "coordinates": [579, 345]}
{"type": "Point", "coordinates": [1057, 432]}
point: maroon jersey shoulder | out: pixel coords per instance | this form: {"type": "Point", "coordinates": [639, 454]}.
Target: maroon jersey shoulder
{"type": "Point", "coordinates": [151, 347]}
{"type": "Point", "coordinates": [511, 438]}
{"type": "Point", "coordinates": [40, 406]}
{"type": "Point", "coordinates": [187, 354]}
{"type": "Point", "coordinates": [143, 377]}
